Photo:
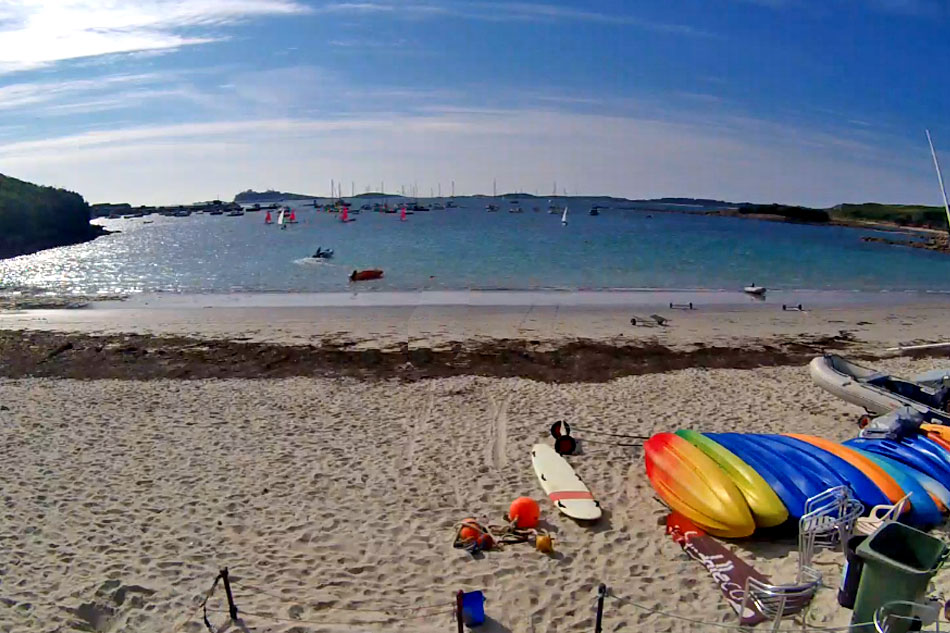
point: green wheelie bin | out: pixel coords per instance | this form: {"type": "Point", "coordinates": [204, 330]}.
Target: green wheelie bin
{"type": "Point", "coordinates": [899, 562]}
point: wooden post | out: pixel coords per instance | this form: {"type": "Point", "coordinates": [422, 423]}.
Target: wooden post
{"type": "Point", "coordinates": [458, 609]}
{"type": "Point", "coordinates": [601, 594]}
{"type": "Point", "coordinates": [232, 608]}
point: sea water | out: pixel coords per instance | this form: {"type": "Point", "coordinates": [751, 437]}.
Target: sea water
{"type": "Point", "coordinates": [471, 249]}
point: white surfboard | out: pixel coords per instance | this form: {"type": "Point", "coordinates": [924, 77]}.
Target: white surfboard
{"type": "Point", "coordinates": [562, 484]}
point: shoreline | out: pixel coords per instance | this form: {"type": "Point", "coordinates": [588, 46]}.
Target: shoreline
{"type": "Point", "coordinates": [547, 343]}
{"type": "Point", "coordinates": [607, 298]}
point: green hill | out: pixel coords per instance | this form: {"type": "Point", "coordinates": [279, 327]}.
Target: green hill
{"type": "Point", "coordinates": [33, 218]}
{"type": "Point", "coordinates": [900, 214]}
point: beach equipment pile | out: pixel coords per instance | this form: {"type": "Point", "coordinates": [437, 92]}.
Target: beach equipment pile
{"type": "Point", "coordinates": [731, 484]}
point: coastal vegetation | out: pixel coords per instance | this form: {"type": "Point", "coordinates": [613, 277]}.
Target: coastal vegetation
{"type": "Point", "coordinates": [900, 214]}
{"type": "Point", "coordinates": [33, 218]}
{"type": "Point", "coordinates": [788, 213]}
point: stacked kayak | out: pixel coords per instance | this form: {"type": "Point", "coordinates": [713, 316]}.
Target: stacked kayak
{"type": "Point", "coordinates": [730, 484]}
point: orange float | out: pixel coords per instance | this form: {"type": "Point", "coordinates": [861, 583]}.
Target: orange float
{"type": "Point", "coordinates": [524, 512]}
{"type": "Point", "coordinates": [472, 532]}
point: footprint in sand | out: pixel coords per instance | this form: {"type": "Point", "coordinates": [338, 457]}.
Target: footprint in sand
{"type": "Point", "coordinates": [498, 432]}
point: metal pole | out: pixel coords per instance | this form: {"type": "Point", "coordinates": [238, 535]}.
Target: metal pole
{"type": "Point", "coordinates": [601, 594]}
{"type": "Point", "coordinates": [232, 608]}
{"type": "Point", "coordinates": [943, 189]}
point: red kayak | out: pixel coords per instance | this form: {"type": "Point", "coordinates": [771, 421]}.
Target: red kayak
{"type": "Point", "coordinates": [366, 275]}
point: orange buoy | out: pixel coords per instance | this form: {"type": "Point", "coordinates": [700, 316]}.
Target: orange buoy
{"type": "Point", "coordinates": [469, 530]}
{"type": "Point", "coordinates": [472, 532]}
{"type": "Point", "coordinates": [524, 512]}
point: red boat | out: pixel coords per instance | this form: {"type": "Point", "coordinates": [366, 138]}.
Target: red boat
{"type": "Point", "coordinates": [366, 275]}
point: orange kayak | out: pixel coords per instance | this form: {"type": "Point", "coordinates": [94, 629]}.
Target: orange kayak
{"type": "Point", "coordinates": [874, 472]}
{"type": "Point", "coordinates": [366, 275]}
{"type": "Point", "coordinates": [938, 433]}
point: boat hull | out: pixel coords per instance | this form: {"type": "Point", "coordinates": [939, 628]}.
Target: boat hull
{"type": "Point", "coordinates": [695, 486]}
{"type": "Point", "coordinates": [793, 477]}
{"type": "Point", "coordinates": [874, 473]}
{"type": "Point", "coordinates": [924, 510]}
{"type": "Point", "coordinates": [766, 507]}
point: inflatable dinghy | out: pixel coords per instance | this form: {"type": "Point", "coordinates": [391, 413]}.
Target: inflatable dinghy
{"type": "Point", "coordinates": [875, 391]}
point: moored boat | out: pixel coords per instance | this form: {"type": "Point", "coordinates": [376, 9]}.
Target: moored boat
{"type": "Point", "coordinates": [366, 275]}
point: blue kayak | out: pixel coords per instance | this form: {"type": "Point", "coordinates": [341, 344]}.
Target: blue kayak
{"type": "Point", "coordinates": [917, 455]}
{"type": "Point", "coordinates": [924, 512]}
{"type": "Point", "coordinates": [927, 446]}
{"type": "Point", "coordinates": [792, 483]}
{"type": "Point", "coordinates": [865, 490]}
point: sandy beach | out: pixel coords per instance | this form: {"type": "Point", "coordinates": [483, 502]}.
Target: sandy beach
{"type": "Point", "coordinates": [333, 500]}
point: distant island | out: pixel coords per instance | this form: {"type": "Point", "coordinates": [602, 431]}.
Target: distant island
{"type": "Point", "coordinates": [34, 218]}
{"type": "Point", "coordinates": [250, 196]}
{"type": "Point", "coordinates": [257, 197]}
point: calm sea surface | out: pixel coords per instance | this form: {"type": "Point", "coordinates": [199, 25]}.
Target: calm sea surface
{"type": "Point", "coordinates": [468, 248]}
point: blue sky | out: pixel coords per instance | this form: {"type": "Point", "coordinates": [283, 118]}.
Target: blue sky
{"type": "Point", "coordinates": [164, 101]}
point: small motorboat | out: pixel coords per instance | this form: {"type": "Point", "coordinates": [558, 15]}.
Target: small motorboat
{"type": "Point", "coordinates": [877, 392]}
{"type": "Point", "coordinates": [758, 291]}
{"type": "Point", "coordinates": [594, 211]}
{"type": "Point", "coordinates": [366, 275]}
{"type": "Point", "coordinates": [322, 253]}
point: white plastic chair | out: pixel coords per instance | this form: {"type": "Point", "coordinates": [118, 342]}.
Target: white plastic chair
{"type": "Point", "coordinates": [880, 515]}
{"type": "Point", "coordinates": [780, 601]}
{"type": "Point", "coordinates": [901, 616]}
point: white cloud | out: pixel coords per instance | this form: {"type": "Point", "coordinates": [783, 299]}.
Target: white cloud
{"type": "Point", "coordinates": [738, 159]}
{"type": "Point", "coordinates": [501, 12]}
{"type": "Point", "coordinates": [18, 95]}
{"type": "Point", "coordinates": [36, 32]}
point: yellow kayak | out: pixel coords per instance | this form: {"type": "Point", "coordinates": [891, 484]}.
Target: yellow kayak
{"type": "Point", "coordinates": [695, 486]}
{"type": "Point", "coordinates": [767, 509]}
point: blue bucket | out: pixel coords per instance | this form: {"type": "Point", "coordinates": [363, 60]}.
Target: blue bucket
{"type": "Point", "coordinates": [473, 608]}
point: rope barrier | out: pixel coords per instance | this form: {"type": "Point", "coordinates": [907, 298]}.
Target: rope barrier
{"type": "Point", "coordinates": [734, 627]}
{"type": "Point", "coordinates": [316, 607]}
{"type": "Point", "coordinates": [320, 622]}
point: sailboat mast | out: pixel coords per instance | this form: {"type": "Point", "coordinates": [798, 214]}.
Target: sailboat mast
{"type": "Point", "coordinates": [943, 189]}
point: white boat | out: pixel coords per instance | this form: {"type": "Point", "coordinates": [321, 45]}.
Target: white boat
{"type": "Point", "coordinates": [877, 392]}
{"type": "Point", "coordinates": [755, 290]}
{"type": "Point", "coordinates": [564, 217]}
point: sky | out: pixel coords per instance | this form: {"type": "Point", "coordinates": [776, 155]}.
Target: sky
{"type": "Point", "coordinates": [810, 102]}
